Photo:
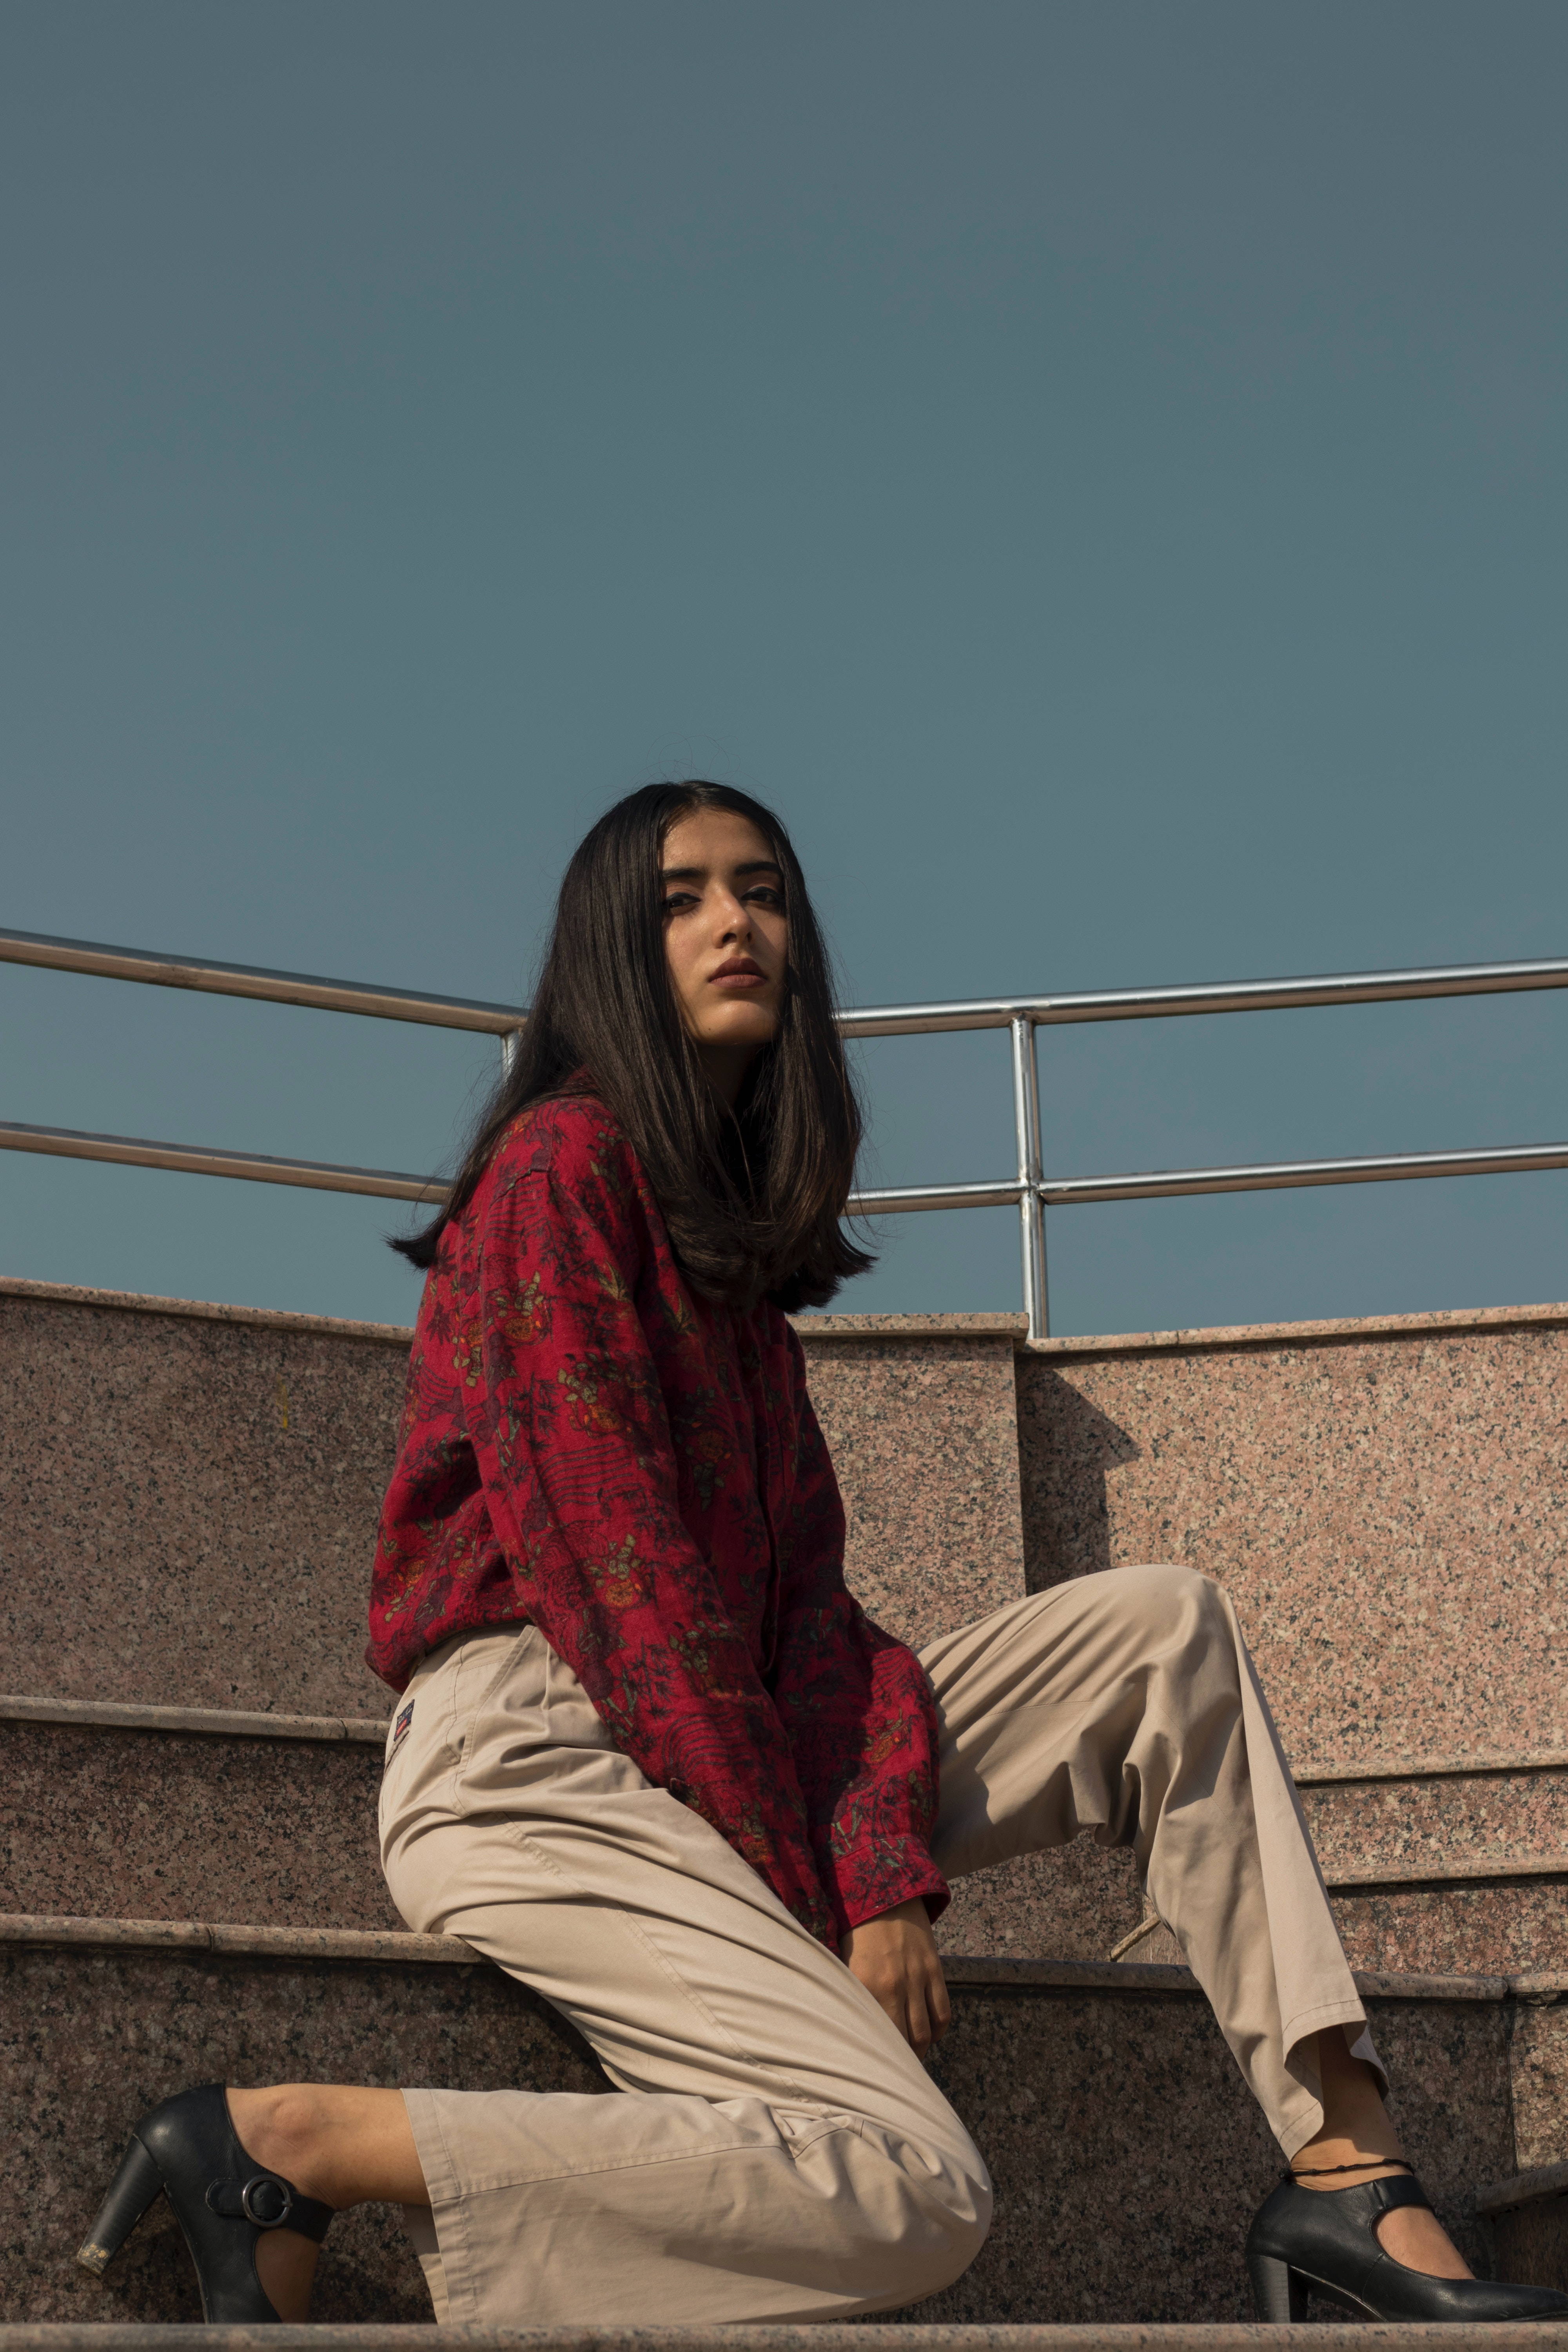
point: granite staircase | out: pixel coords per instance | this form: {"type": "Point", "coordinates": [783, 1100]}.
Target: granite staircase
{"type": "Point", "coordinates": [192, 1748]}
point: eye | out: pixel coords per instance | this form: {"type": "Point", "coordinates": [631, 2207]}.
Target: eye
{"type": "Point", "coordinates": [678, 901]}
{"type": "Point", "coordinates": [767, 894]}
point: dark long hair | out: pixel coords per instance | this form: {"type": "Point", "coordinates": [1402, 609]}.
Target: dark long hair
{"type": "Point", "coordinates": [752, 1201]}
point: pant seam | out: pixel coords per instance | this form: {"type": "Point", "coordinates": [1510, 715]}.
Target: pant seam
{"type": "Point", "coordinates": [1297, 2027]}
{"type": "Point", "coordinates": [456, 2265]}
{"type": "Point", "coordinates": [462, 1746]}
{"type": "Point", "coordinates": [520, 1832]}
{"type": "Point", "coordinates": [500, 2187]}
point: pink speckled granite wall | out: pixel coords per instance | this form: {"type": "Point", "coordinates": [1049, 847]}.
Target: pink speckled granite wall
{"type": "Point", "coordinates": [925, 1435]}
{"type": "Point", "coordinates": [1386, 1506]}
{"type": "Point", "coordinates": [1539, 2062]}
{"type": "Point", "coordinates": [104, 1823]}
{"type": "Point", "coordinates": [187, 1500]}
{"type": "Point", "coordinates": [187, 1503]}
{"type": "Point", "coordinates": [188, 1496]}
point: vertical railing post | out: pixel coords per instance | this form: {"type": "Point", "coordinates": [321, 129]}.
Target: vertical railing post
{"type": "Point", "coordinates": [1031, 1210]}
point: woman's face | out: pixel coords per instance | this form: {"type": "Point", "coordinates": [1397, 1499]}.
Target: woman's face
{"type": "Point", "coordinates": [726, 937]}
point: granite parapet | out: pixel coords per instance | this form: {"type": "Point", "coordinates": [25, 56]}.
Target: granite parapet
{"type": "Point", "coordinates": [198, 1528]}
{"type": "Point", "coordinates": [1385, 1508]}
{"type": "Point", "coordinates": [924, 1436]}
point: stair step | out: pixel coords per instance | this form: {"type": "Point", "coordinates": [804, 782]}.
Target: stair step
{"type": "Point", "coordinates": [1446, 1862]}
{"type": "Point", "coordinates": [1514, 1923]}
{"type": "Point", "coordinates": [1058, 2068]}
{"type": "Point", "coordinates": [237, 1723]}
{"type": "Point", "coordinates": [859, 2336]}
{"type": "Point", "coordinates": [184, 1572]}
{"type": "Point", "coordinates": [157, 1812]}
{"type": "Point", "coordinates": [1326, 2336]}
{"type": "Point", "coordinates": [1447, 1811]}
{"type": "Point", "coordinates": [1529, 2220]}
{"type": "Point", "coordinates": [150, 1823]}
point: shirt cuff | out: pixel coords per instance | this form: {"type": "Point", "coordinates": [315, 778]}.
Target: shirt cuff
{"type": "Point", "coordinates": [920, 1876]}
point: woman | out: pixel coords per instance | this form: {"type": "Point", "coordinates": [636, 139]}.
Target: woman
{"type": "Point", "coordinates": [654, 1760]}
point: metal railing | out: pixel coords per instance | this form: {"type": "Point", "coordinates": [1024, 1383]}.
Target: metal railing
{"type": "Point", "coordinates": [1029, 1190]}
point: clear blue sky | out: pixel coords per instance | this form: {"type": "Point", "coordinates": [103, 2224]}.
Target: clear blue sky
{"type": "Point", "coordinates": [1098, 468]}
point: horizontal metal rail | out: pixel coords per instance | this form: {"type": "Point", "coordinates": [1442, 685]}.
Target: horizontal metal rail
{"type": "Point", "coordinates": [1285, 1175]}
{"type": "Point", "coordinates": [1030, 1192]}
{"type": "Point", "coordinates": [866, 1021]}
{"type": "Point", "coordinates": [253, 980]}
{"type": "Point", "coordinates": [1055, 1193]}
{"type": "Point", "coordinates": [191, 1159]}
{"type": "Point", "coordinates": [1004, 1194]}
{"type": "Point", "coordinates": [390, 1183]}
{"type": "Point", "coordinates": [1209, 996]}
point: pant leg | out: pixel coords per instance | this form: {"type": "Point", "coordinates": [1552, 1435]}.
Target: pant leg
{"type": "Point", "coordinates": [1126, 1704]}
{"type": "Point", "coordinates": [780, 2154]}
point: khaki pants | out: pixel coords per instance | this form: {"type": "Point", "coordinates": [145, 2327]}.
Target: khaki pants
{"type": "Point", "coordinates": [782, 2155]}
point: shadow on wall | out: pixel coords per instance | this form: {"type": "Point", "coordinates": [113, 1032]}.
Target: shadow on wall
{"type": "Point", "coordinates": [1066, 1446]}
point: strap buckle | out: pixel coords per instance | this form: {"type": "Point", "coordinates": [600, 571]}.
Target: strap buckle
{"type": "Point", "coordinates": [266, 2201]}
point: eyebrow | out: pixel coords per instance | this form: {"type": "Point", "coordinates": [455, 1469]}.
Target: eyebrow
{"type": "Point", "coordinates": [696, 873]}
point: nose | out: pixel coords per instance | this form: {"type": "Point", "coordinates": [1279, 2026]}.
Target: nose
{"type": "Point", "coordinates": [731, 917]}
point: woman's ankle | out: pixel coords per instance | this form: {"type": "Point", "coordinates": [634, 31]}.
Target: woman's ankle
{"type": "Point", "coordinates": [1312, 2168]}
{"type": "Point", "coordinates": [343, 2142]}
{"type": "Point", "coordinates": [279, 2128]}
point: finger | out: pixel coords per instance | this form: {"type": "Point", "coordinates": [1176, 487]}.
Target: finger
{"type": "Point", "coordinates": [938, 2008]}
{"type": "Point", "coordinates": [890, 1998]}
{"type": "Point", "coordinates": [920, 2031]}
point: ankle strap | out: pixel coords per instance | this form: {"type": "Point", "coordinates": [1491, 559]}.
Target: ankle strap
{"type": "Point", "coordinates": [1361, 2164]}
{"type": "Point", "coordinates": [270, 2202]}
{"type": "Point", "coordinates": [1371, 2198]}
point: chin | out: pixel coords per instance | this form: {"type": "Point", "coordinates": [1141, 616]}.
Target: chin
{"type": "Point", "coordinates": [750, 1025]}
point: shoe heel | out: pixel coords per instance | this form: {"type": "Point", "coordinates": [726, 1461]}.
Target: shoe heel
{"type": "Point", "coordinates": [1279, 2293]}
{"type": "Point", "coordinates": [136, 2184]}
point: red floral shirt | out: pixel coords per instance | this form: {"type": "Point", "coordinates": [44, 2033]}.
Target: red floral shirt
{"type": "Point", "coordinates": [587, 1447]}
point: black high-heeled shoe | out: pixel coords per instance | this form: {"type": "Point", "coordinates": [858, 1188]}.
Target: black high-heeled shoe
{"type": "Point", "coordinates": [187, 2149]}
{"type": "Point", "coordinates": [1325, 2240]}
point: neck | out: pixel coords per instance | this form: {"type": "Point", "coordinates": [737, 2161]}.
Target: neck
{"type": "Point", "coordinates": [726, 1067]}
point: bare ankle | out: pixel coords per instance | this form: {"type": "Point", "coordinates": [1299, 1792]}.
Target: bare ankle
{"type": "Point", "coordinates": [277, 2126]}
{"type": "Point", "coordinates": [1351, 2175]}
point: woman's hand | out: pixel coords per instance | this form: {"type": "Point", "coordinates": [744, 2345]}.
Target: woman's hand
{"type": "Point", "coordinates": [894, 1958]}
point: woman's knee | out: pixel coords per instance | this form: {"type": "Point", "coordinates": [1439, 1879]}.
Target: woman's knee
{"type": "Point", "coordinates": [944, 2222]}
{"type": "Point", "coordinates": [1176, 1604]}
{"type": "Point", "coordinates": [965, 2223]}
{"type": "Point", "coordinates": [968, 2226]}
{"type": "Point", "coordinates": [1177, 1630]}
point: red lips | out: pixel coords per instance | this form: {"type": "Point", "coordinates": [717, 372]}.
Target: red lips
{"type": "Point", "coordinates": [739, 967]}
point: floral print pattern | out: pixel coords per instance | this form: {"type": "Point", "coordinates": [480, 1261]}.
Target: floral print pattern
{"type": "Point", "coordinates": [586, 1447]}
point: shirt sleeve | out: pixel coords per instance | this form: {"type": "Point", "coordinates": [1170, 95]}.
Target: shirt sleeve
{"type": "Point", "coordinates": [564, 1412]}
{"type": "Point", "coordinates": [859, 1709]}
